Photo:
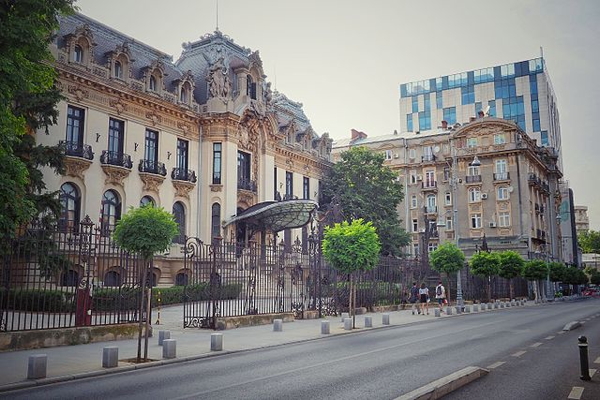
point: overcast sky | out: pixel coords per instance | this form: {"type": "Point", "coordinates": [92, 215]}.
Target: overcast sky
{"type": "Point", "coordinates": [345, 59]}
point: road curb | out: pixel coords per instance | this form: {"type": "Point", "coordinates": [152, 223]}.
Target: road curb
{"type": "Point", "coordinates": [445, 385]}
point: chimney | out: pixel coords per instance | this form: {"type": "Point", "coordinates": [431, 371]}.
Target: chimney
{"type": "Point", "coordinates": [444, 124]}
{"type": "Point", "coordinates": [355, 135]}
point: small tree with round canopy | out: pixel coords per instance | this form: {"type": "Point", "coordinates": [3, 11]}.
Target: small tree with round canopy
{"type": "Point", "coordinates": [447, 258]}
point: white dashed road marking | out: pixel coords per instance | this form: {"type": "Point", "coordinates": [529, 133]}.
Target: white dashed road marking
{"type": "Point", "coordinates": [561, 332]}
{"type": "Point", "coordinates": [597, 360]}
{"type": "Point", "coordinates": [549, 337]}
{"type": "Point", "coordinates": [592, 372]}
{"type": "Point", "coordinates": [576, 393]}
{"type": "Point", "coordinates": [536, 344]}
{"type": "Point", "coordinates": [495, 365]}
{"type": "Point", "coordinates": [519, 353]}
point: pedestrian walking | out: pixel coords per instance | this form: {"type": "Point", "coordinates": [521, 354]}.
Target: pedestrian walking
{"type": "Point", "coordinates": [424, 298]}
{"type": "Point", "coordinates": [440, 295]}
{"type": "Point", "coordinates": [414, 298]}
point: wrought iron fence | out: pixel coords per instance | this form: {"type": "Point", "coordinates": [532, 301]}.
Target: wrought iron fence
{"type": "Point", "coordinates": [66, 276]}
{"type": "Point", "coordinates": [228, 279]}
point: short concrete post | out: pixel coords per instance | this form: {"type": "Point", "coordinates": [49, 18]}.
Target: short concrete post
{"type": "Point", "coordinates": [368, 322]}
{"type": "Point", "coordinates": [522, 302]}
{"type": "Point", "coordinates": [348, 324]}
{"type": "Point", "coordinates": [458, 310]}
{"type": "Point", "coordinates": [513, 303]}
{"type": "Point", "coordinates": [277, 325]}
{"type": "Point", "coordinates": [475, 308]}
{"type": "Point", "coordinates": [436, 312]}
{"type": "Point", "coordinates": [325, 327]}
{"type": "Point", "coordinates": [448, 310]}
{"type": "Point", "coordinates": [385, 319]}
{"type": "Point", "coordinates": [501, 304]}
{"type": "Point", "coordinates": [495, 305]}
{"type": "Point", "coordinates": [490, 306]}
{"type": "Point", "coordinates": [483, 306]}
{"type": "Point", "coordinates": [110, 357]}
{"type": "Point", "coordinates": [169, 348]}
{"type": "Point", "coordinates": [162, 335]}
{"type": "Point", "coordinates": [37, 365]}
{"type": "Point", "coordinates": [345, 315]}
{"type": "Point", "coordinates": [216, 342]}
{"type": "Point", "coordinates": [467, 309]}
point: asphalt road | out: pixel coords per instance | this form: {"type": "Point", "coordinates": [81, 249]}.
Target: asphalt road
{"type": "Point", "coordinates": [376, 364]}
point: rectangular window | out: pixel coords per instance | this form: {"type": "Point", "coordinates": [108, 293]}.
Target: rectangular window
{"type": "Point", "coordinates": [415, 225]}
{"type": "Point", "coordinates": [415, 104]}
{"type": "Point", "coordinates": [217, 160]}
{"type": "Point", "coordinates": [502, 193]}
{"type": "Point", "coordinates": [504, 219]}
{"type": "Point", "coordinates": [439, 103]}
{"type": "Point", "coordinates": [75, 121]}
{"type": "Point", "coordinates": [478, 108]}
{"type": "Point", "coordinates": [413, 177]}
{"type": "Point", "coordinates": [467, 94]}
{"type": "Point", "coordinates": [471, 142]}
{"type": "Point", "coordinates": [449, 225]}
{"type": "Point", "coordinates": [544, 138]}
{"type": "Point", "coordinates": [182, 155]}
{"type": "Point", "coordinates": [448, 199]}
{"type": "Point", "coordinates": [446, 173]}
{"type": "Point", "coordinates": [243, 170]}
{"type": "Point", "coordinates": [499, 138]}
{"type": "Point", "coordinates": [151, 148]}
{"type": "Point", "coordinates": [409, 122]}
{"type": "Point", "coordinates": [388, 155]}
{"type": "Point", "coordinates": [427, 101]}
{"type": "Point", "coordinates": [424, 121]}
{"type": "Point", "coordinates": [450, 115]}
{"type": "Point", "coordinates": [536, 125]}
{"type": "Point", "coordinates": [413, 201]}
{"type": "Point", "coordinates": [306, 188]}
{"type": "Point", "coordinates": [289, 185]}
{"type": "Point", "coordinates": [492, 110]}
{"type": "Point", "coordinates": [412, 154]}
{"type": "Point", "coordinates": [116, 133]}
{"type": "Point", "coordinates": [275, 191]}
{"type": "Point", "coordinates": [501, 166]}
{"type": "Point", "coordinates": [475, 221]}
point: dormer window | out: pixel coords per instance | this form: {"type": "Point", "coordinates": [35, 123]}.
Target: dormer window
{"type": "Point", "coordinates": [152, 83]}
{"type": "Point", "coordinates": [118, 70]}
{"type": "Point", "coordinates": [78, 54]}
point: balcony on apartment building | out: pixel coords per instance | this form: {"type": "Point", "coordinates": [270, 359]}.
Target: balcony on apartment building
{"type": "Point", "coordinates": [430, 210]}
{"type": "Point", "coordinates": [429, 186]}
{"type": "Point", "coordinates": [247, 184]}
{"type": "Point", "coordinates": [428, 158]}
{"type": "Point", "coordinates": [116, 159]}
{"type": "Point", "coordinates": [75, 149]}
{"type": "Point", "coordinates": [182, 174]}
{"type": "Point", "coordinates": [473, 179]}
{"type": "Point", "coordinates": [152, 167]}
{"type": "Point", "coordinates": [501, 176]}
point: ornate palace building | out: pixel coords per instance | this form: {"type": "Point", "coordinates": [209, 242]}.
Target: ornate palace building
{"type": "Point", "coordinates": [204, 137]}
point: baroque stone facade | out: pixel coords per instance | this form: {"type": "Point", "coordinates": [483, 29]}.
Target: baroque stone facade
{"type": "Point", "coordinates": [134, 119]}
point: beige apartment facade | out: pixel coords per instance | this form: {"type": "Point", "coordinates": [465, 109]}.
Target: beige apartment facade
{"type": "Point", "coordinates": [204, 137]}
{"type": "Point", "coordinates": [482, 184]}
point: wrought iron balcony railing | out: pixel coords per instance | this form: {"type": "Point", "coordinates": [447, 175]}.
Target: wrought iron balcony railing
{"type": "Point", "coordinates": [247, 184]}
{"type": "Point", "coordinates": [501, 176]}
{"type": "Point", "coordinates": [76, 149]}
{"type": "Point", "coordinates": [182, 174]}
{"type": "Point", "coordinates": [473, 178]}
{"type": "Point", "coordinates": [153, 167]}
{"type": "Point", "coordinates": [116, 158]}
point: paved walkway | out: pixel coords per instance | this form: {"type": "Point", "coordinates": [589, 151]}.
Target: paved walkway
{"type": "Point", "coordinates": [72, 362]}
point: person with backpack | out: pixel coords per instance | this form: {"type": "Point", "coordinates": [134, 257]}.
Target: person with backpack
{"type": "Point", "coordinates": [414, 298]}
{"type": "Point", "coordinates": [424, 298]}
{"type": "Point", "coordinates": [440, 295]}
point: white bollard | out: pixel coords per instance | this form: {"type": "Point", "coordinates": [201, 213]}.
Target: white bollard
{"type": "Point", "coordinates": [448, 310]}
{"type": "Point", "coordinates": [216, 342]}
{"type": "Point", "coordinates": [325, 327]}
{"type": "Point", "coordinates": [385, 319]}
{"type": "Point", "coordinates": [345, 315]}
{"type": "Point", "coordinates": [475, 308]}
{"type": "Point", "coordinates": [110, 357]}
{"type": "Point", "coordinates": [169, 348]}
{"type": "Point", "coordinates": [467, 309]}
{"type": "Point", "coordinates": [162, 335]}
{"type": "Point", "coordinates": [37, 365]}
{"type": "Point", "coordinates": [277, 325]}
{"type": "Point", "coordinates": [348, 324]}
{"type": "Point", "coordinates": [436, 312]}
{"type": "Point", "coordinates": [368, 322]}
{"type": "Point", "coordinates": [490, 306]}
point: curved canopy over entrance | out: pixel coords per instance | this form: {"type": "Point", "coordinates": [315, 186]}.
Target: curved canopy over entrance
{"type": "Point", "coordinates": [276, 215]}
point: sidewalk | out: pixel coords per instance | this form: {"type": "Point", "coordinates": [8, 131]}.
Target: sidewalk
{"type": "Point", "coordinates": [73, 362]}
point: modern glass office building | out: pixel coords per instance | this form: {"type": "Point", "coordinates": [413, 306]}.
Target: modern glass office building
{"type": "Point", "coordinates": [519, 91]}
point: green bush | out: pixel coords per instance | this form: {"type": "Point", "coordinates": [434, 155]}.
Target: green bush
{"type": "Point", "coordinates": [37, 300]}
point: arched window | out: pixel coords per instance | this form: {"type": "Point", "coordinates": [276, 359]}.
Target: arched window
{"type": "Point", "coordinates": [69, 278]}
{"type": "Point", "coordinates": [111, 212]}
{"type": "Point", "coordinates": [147, 200]}
{"type": "Point", "coordinates": [250, 87]}
{"type": "Point", "coordinates": [118, 70]}
{"type": "Point", "coordinates": [151, 279]}
{"type": "Point", "coordinates": [181, 279]}
{"type": "Point", "coordinates": [78, 54]}
{"type": "Point", "coordinates": [184, 95]}
{"type": "Point", "coordinates": [70, 201]}
{"type": "Point", "coordinates": [112, 278]}
{"type": "Point", "coordinates": [179, 214]}
{"type": "Point", "coordinates": [216, 220]}
{"type": "Point", "coordinates": [152, 83]}
{"type": "Point", "coordinates": [474, 195]}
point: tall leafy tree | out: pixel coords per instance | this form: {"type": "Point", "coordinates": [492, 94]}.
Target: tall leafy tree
{"type": "Point", "coordinates": [486, 265]}
{"type": "Point", "coordinates": [534, 271]}
{"type": "Point", "coordinates": [350, 247]}
{"type": "Point", "coordinates": [511, 265]}
{"type": "Point", "coordinates": [589, 241]}
{"type": "Point", "coordinates": [145, 231]}
{"type": "Point", "coordinates": [447, 258]}
{"type": "Point", "coordinates": [28, 97]}
{"type": "Point", "coordinates": [365, 188]}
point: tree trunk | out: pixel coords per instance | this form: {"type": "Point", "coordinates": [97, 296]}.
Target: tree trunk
{"type": "Point", "coordinates": [511, 288]}
{"type": "Point", "coordinates": [489, 289]}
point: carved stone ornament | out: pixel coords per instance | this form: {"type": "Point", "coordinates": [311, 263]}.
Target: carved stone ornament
{"type": "Point", "coordinates": [154, 118]}
{"type": "Point", "coordinates": [245, 197]}
{"type": "Point", "coordinates": [75, 166]}
{"type": "Point", "coordinates": [183, 188]}
{"type": "Point", "coordinates": [185, 127]}
{"type": "Point", "coordinates": [79, 93]}
{"type": "Point", "coordinates": [118, 105]}
{"type": "Point", "coordinates": [152, 182]}
{"type": "Point", "coordinates": [115, 174]}
{"type": "Point", "coordinates": [216, 188]}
